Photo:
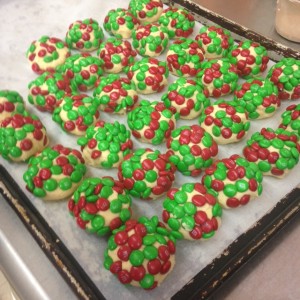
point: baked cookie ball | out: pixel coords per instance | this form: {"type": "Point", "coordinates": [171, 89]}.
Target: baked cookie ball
{"type": "Point", "coordinates": [184, 57]}
{"type": "Point", "coordinates": [120, 22]}
{"type": "Point", "coordinates": [274, 151]}
{"type": "Point", "coordinates": [76, 113]}
{"type": "Point", "coordinates": [47, 53]}
{"type": "Point", "coordinates": [22, 137]}
{"type": "Point", "coordinates": [215, 41]}
{"type": "Point", "coordinates": [219, 77]}
{"type": "Point", "coordinates": [83, 70]}
{"type": "Point", "coordinates": [115, 94]}
{"type": "Point", "coordinates": [100, 205]}
{"type": "Point", "coordinates": [46, 91]}
{"type": "Point", "coordinates": [117, 55]}
{"type": "Point", "coordinates": [55, 173]}
{"type": "Point", "coordinates": [286, 75]}
{"type": "Point", "coordinates": [234, 181]}
{"type": "Point", "coordinates": [191, 212]}
{"type": "Point", "coordinates": [250, 58]}
{"type": "Point", "coordinates": [149, 75]}
{"type": "Point", "coordinates": [187, 97]}
{"type": "Point", "coordinates": [290, 118]}
{"type": "Point", "coordinates": [191, 149]}
{"type": "Point", "coordinates": [105, 144]}
{"type": "Point", "coordinates": [150, 39]}
{"type": "Point", "coordinates": [147, 173]}
{"type": "Point", "coordinates": [84, 35]}
{"type": "Point", "coordinates": [151, 122]}
{"type": "Point", "coordinates": [178, 21]}
{"type": "Point", "coordinates": [11, 102]}
{"type": "Point", "coordinates": [146, 11]}
{"type": "Point", "coordinates": [259, 97]}
{"type": "Point", "coordinates": [140, 253]}
{"type": "Point", "coordinates": [227, 122]}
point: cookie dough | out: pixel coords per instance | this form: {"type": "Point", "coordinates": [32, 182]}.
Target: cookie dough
{"type": "Point", "coordinates": [147, 173]}
{"type": "Point", "coordinates": [76, 113]}
{"type": "Point", "coordinates": [115, 94]}
{"type": "Point", "coordinates": [227, 122]}
{"type": "Point", "coordinates": [290, 118]}
{"type": "Point", "coordinates": [151, 122]}
{"type": "Point", "coordinates": [120, 22]}
{"type": "Point", "coordinates": [191, 212]}
{"type": "Point", "coordinates": [117, 55]}
{"type": "Point", "coordinates": [149, 75]}
{"type": "Point", "coordinates": [84, 35]}
{"type": "Point", "coordinates": [191, 149]}
{"type": "Point", "coordinates": [22, 137]}
{"type": "Point", "coordinates": [259, 97]}
{"type": "Point", "coordinates": [106, 144]}
{"type": "Point", "coordinates": [185, 57]}
{"type": "Point", "coordinates": [141, 253]}
{"type": "Point", "coordinates": [234, 181]}
{"type": "Point", "coordinates": [147, 11]}
{"type": "Point", "coordinates": [100, 205]}
{"type": "Point", "coordinates": [286, 75]}
{"type": "Point", "coordinates": [55, 173]}
{"type": "Point", "coordinates": [47, 53]}
{"type": "Point", "coordinates": [274, 151]}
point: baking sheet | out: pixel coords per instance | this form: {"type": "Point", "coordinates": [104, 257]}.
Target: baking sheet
{"type": "Point", "coordinates": [28, 20]}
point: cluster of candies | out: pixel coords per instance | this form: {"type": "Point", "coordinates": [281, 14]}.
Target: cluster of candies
{"type": "Point", "coordinates": [142, 252]}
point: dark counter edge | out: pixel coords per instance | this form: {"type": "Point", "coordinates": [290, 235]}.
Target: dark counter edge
{"type": "Point", "coordinates": [49, 242]}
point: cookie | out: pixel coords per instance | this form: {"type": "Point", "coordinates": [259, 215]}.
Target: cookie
{"type": "Point", "coordinates": [290, 118]}
{"type": "Point", "coordinates": [146, 11]}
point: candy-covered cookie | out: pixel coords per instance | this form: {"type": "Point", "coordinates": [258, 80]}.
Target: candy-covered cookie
{"type": "Point", "coordinates": [117, 55]}
{"type": "Point", "coordinates": [105, 144]}
{"type": "Point", "coordinates": [11, 102]}
{"type": "Point", "coordinates": [46, 91]}
{"type": "Point", "coordinates": [234, 181]}
{"type": "Point", "coordinates": [149, 75]}
{"type": "Point", "coordinates": [147, 11]}
{"type": "Point", "coordinates": [147, 173]}
{"type": "Point", "coordinates": [191, 212]}
{"type": "Point", "coordinates": [227, 122]}
{"type": "Point", "coordinates": [259, 97]}
{"type": "Point", "coordinates": [84, 35]}
{"type": "Point", "coordinates": [150, 39]}
{"type": "Point", "coordinates": [187, 97]}
{"type": "Point", "coordinates": [185, 57]}
{"type": "Point", "coordinates": [286, 75]}
{"type": "Point", "coordinates": [250, 58]}
{"type": "Point", "coordinates": [47, 53]}
{"type": "Point", "coordinates": [141, 253]}
{"type": "Point", "coordinates": [215, 41]}
{"type": "Point", "coordinates": [290, 118]}
{"type": "Point", "coordinates": [76, 113]}
{"type": "Point", "coordinates": [115, 94]}
{"type": "Point", "coordinates": [83, 70]}
{"type": "Point", "coordinates": [178, 21]}
{"type": "Point", "coordinates": [151, 122]}
{"type": "Point", "coordinates": [219, 77]}
{"type": "Point", "coordinates": [55, 173]}
{"type": "Point", "coordinates": [100, 205]}
{"type": "Point", "coordinates": [120, 22]}
{"type": "Point", "coordinates": [274, 151]}
{"type": "Point", "coordinates": [22, 137]}
{"type": "Point", "coordinates": [191, 149]}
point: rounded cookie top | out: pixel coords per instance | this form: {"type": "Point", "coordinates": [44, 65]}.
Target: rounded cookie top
{"type": "Point", "coordinates": [141, 253]}
{"type": "Point", "coordinates": [147, 11]}
{"type": "Point", "coordinates": [100, 205]}
{"type": "Point", "coordinates": [22, 137]}
{"type": "Point", "coordinates": [84, 35]}
{"type": "Point", "coordinates": [47, 53]}
{"type": "Point", "coordinates": [191, 212]}
{"type": "Point", "coordinates": [54, 173]}
{"type": "Point", "coordinates": [234, 181]}
{"type": "Point", "coordinates": [290, 118]}
{"type": "Point", "coordinates": [147, 173]}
